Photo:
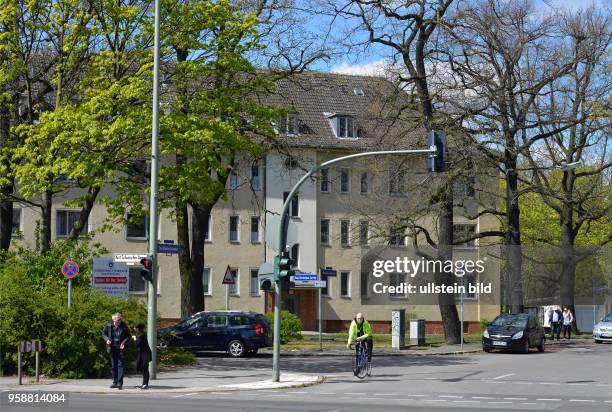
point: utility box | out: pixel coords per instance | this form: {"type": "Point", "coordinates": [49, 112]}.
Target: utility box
{"type": "Point", "coordinates": [417, 332]}
{"type": "Point", "coordinates": [398, 328]}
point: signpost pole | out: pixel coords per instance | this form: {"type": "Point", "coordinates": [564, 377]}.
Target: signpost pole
{"type": "Point", "coordinates": [320, 309]}
{"type": "Point", "coordinates": [19, 362]}
{"type": "Point", "coordinates": [69, 294]}
{"type": "Point", "coordinates": [37, 366]}
{"type": "Point", "coordinates": [227, 297]}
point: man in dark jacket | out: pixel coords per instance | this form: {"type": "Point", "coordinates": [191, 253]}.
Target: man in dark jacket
{"type": "Point", "coordinates": [116, 335]}
{"type": "Point", "coordinates": [555, 319]}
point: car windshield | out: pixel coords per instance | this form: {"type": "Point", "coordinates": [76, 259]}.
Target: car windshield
{"type": "Point", "coordinates": [189, 322]}
{"type": "Point", "coordinates": [511, 321]}
{"type": "Point", "coordinates": [608, 318]}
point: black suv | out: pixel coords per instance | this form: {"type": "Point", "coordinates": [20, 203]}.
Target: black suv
{"type": "Point", "coordinates": [236, 332]}
{"type": "Point", "coordinates": [517, 332]}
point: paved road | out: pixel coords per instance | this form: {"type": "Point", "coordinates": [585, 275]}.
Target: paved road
{"type": "Point", "coordinates": [576, 379]}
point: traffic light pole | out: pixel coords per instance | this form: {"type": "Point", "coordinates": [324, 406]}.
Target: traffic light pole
{"type": "Point", "coordinates": [153, 218]}
{"type": "Point", "coordinates": [282, 236]}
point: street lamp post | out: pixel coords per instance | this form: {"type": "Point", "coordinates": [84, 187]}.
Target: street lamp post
{"type": "Point", "coordinates": [282, 236]}
{"type": "Point", "coordinates": [153, 217]}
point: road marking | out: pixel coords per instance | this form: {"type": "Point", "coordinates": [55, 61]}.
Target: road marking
{"type": "Point", "coordinates": [269, 390]}
{"type": "Point", "coordinates": [384, 394]}
{"type": "Point", "coordinates": [418, 395]}
{"type": "Point", "coordinates": [467, 401]}
{"type": "Point", "coordinates": [298, 393]}
{"type": "Point", "coordinates": [607, 401]}
{"type": "Point", "coordinates": [548, 399]}
{"type": "Point", "coordinates": [602, 384]}
{"type": "Point", "coordinates": [278, 394]}
{"type": "Point", "coordinates": [435, 400]}
{"type": "Point", "coordinates": [528, 403]}
{"type": "Point", "coordinates": [220, 393]}
{"type": "Point", "coordinates": [324, 393]}
{"type": "Point", "coordinates": [482, 397]}
{"type": "Point", "coordinates": [515, 399]}
{"type": "Point", "coordinates": [353, 393]}
{"type": "Point", "coordinates": [578, 384]}
{"type": "Point", "coordinates": [549, 383]}
{"type": "Point", "coordinates": [503, 376]}
{"type": "Point", "coordinates": [499, 402]}
{"type": "Point", "coordinates": [185, 394]}
{"type": "Point", "coordinates": [522, 383]}
{"type": "Point", "coordinates": [581, 400]}
{"type": "Point", "coordinates": [450, 396]}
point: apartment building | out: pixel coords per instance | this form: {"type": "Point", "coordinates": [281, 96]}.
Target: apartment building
{"type": "Point", "coordinates": [336, 219]}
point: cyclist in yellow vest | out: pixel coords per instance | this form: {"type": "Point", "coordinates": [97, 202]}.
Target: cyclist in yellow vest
{"type": "Point", "coordinates": [360, 330]}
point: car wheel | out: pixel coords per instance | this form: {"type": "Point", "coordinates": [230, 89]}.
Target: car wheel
{"type": "Point", "coordinates": [236, 349]}
{"type": "Point", "coordinates": [526, 346]}
{"type": "Point", "coordinates": [541, 345]}
{"type": "Point", "coordinates": [486, 349]}
{"type": "Point", "coordinates": [597, 341]}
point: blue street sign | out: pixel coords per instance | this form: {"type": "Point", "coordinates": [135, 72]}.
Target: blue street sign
{"type": "Point", "coordinates": [329, 272]}
{"type": "Point", "coordinates": [302, 277]}
{"type": "Point", "coordinates": [167, 248]}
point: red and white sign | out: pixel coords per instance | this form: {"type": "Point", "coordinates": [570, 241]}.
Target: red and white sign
{"type": "Point", "coordinates": [24, 346]}
{"type": "Point", "coordinates": [70, 269]}
{"type": "Point", "coordinates": [36, 345]}
{"type": "Point", "coordinates": [228, 278]}
{"type": "Point", "coordinates": [110, 277]}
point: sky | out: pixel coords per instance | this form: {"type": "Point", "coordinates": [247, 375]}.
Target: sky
{"type": "Point", "coordinates": [373, 63]}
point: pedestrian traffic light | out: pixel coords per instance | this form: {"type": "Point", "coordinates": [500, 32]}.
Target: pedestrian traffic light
{"type": "Point", "coordinates": [265, 282]}
{"type": "Point", "coordinates": [146, 273]}
{"type": "Point", "coordinates": [283, 266]}
{"type": "Point", "coordinates": [436, 163]}
{"type": "Point", "coordinates": [286, 284]}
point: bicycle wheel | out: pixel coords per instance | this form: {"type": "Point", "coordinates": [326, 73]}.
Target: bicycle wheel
{"type": "Point", "coordinates": [362, 364]}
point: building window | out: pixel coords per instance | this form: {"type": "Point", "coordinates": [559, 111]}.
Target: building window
{"type": "Point", "coordinates": [326, 291]}
{"type": "Point", "coordinates": [396, 182]}
{"type": "Point", "coordinates": [294, 210]}
{"type": "Point", "coordinates": [255, 229]}
{"type": "Point", "coordinates": [136, 227]}
{"type": "Point", "coordinates": [397, 237]}
{"type": "Point", "coordinates": [324, 180]}
{"type": "Point", "coordinates": [65, 221]}
{"type": "Point", "coordinates": [295, 254]}
{"type": "Point", "coordinates": [364, 285]}
{"type": "Point", "coordinates": [206, 282]}
{"type": "Point", "coordinates": [363, 183]}
{"type": "Point", "coordinates": [396, 279]}
{"type": "Point", "coordinates": [233, 180]}
{"type": "Point", "coordinates": [291, 163]}
{"type": "Point", "coordinates": [254, 283]}
{"type": "Point", "coordinates": [234, 233]}
{"type": "Point", "coordinates": [345, 127]}
{"type": "Point", "coordinates": [289, 124]}
{"type": "Point", "coordinates": [234, 290]}
{"type": "Point", "coordinates": [16, 228]}
{"type": "Point", "coordinates": [136, 282]}
{"type": "Point", "coordinates": [345, 182]}
{"type": "Point", "coordinates": [345, 232]}
{"type": "Point", "coordinates": [345, 284]}
{"type": "Point", "coordinates": [462, 232]}
{"type": "Point", "coordinates": [364, 232]}
{"type": "Point", "coordinates": [325, 231]}
{"type": "Point", "coordinates": [208, 230]}
{"type": "Point", "coordinates": [255, 181]}
{"type": "Point", "coordinates": [463, 187]}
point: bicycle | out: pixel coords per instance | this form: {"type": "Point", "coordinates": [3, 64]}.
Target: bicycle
{"type": "Point", "coordinates": [362, 367]}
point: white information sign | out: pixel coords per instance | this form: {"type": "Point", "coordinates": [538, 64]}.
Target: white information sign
{"type": "Point", "coordinates": [110, 277]}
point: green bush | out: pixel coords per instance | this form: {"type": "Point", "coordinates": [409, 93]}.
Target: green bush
{"type": "Point", "coordinates": [171, 356]}
{"type": "Point", "coordinates": [484, 323]}
{"type": "Point", "coordinates": [33, 305]}
{"type": "Point", "coordinates": [291, 326]}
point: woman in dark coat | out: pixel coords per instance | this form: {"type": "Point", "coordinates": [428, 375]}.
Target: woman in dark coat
{"type": "Point", "coordinates": [144, 355]}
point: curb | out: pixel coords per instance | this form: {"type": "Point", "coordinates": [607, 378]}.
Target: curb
{"type": "Point", "coordinates": [202, 389]}
{"type": "Point", "coordinates": [379, 354]}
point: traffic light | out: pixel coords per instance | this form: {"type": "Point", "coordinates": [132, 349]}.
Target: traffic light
{"type": "Point", "coordinates": [437, 163]}
{"type": "Point", "coordinates": [283, 266]}
{"type": "Point", "coordinates": [265, 282]}
{"type": "Point", "coordinates": [146, 273]}
{"type": "Point", "coordinates": [286, 284]}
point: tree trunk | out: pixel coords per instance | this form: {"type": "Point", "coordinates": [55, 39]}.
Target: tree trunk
{"type": "Point", "coordinates": [77, 229]}
{"type": "Point", "coordinates": [184, 255]}
{"type": "Point", "coordinates": [45, 227]}
{"type": "Point", "coordinates": [446, 302]}
{"type": "Point", "coordinates": [6, 205]}
{"type": "Point", "coordinates": [514, 257]}
{"type": "Point", "coordinates": [201, 214]}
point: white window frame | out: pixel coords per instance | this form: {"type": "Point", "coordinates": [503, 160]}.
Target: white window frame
{"type": "Point", "coordinates": [236, 284]}
{"type": "Point", "coordinates": [329, 287]}
{"type": "Point", "coordinates": [401, 235]}
{"type": "Point", "coordinates": [348, 284]}
{"type": "Point", "coordinates": [17, 232]}
{"type": "Point", "coordinates": [328, 232]}
{"type": "Point", "coordinates": [290, 124]}
{"type": "Point", "coordinates": [367, 233]}
{"type": "Point", "coordinates": [258, 240]}
{"type": "Point", "coordinates": [256, 166]}
{"type": "Point", "coordinates": [345, 172]}
{"type": "Point", "coordinates": [209, 236]}
{"type": "Point", "coordinates": [397, 180]}
{"type": "Point", "coordinates": [257, 291]}
{"type": "Point", "coordinates": [367, 180]}
{"type": "Point", "coordinates": [326, 180]}
{"type": "Point", "coordinates": [294, 201]}
{"type": "Point", "coordinates": [465, 233]}
{"type": "Point", "coordinates": [234, 180]}
{"type": "Point", "coordinates": [348, 232]}
{"type": "Point", "coordinates": [210, 283]}
{"type": "Point", "coordinates": [229, 227]}
{"type": "Point", "coordinates": [349, 123]}
{"type": "Point", "coordinates": [137, 238]}
{"type": "Point", "coordinates": [83, 233]}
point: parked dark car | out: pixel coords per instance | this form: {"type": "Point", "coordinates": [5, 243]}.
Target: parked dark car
{"type": "Point", "coordinates": [236, 332]}
{"type": "Point", "coordinates": [516, 332]}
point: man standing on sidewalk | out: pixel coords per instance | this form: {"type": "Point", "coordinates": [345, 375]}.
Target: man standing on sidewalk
{"type": "Point", "coordinates": [116, 335]}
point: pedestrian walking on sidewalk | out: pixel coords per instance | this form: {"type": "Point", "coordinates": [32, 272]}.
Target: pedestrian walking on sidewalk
{"type": "Point", "coordinates": [568, 320]}
{"type": "Point", "coordinates": [116, 335]}
{"type": "Point", "coordinates": [556, 318]}
{"type": "Point", "coordinates": [144, 355]}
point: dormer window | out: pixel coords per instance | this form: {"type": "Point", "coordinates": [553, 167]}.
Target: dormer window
{"type": "Point", "coordinates": [345, 127]}
{"type": "Point", "coordinates": [358, 91]}
{"type": "Point", "coordinates": [289, 124]}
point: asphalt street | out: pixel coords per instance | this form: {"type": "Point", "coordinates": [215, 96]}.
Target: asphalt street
{"type": "Point", "coordinates": [573, 379]}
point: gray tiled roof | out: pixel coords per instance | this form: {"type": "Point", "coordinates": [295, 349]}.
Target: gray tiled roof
{"type": "Point", "coordinates": [381, 113]}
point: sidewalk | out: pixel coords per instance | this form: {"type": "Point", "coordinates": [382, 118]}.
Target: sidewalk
{"type": "Point", "coordinates": [186, 380]}
{"type": "Point", "coordinates": [468, 348]}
